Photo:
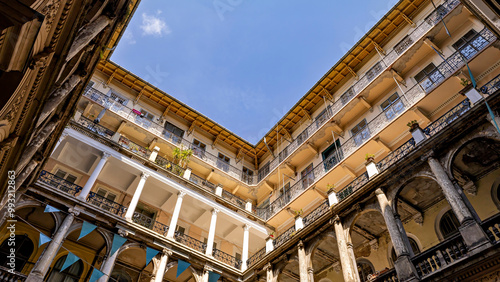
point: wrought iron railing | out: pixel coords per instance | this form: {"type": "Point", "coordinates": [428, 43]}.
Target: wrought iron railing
{"type": "Point", "coordinates": [190, 242]}
{"type": "Point", "coordinates": [160, 228]}
{"type": "Point", "coordinates": [323, 208]}
{"type": "Point", "coordinates": [408, 99]}
{"type": "Point", "coordinates": [59, 183]}
{"type": "Point", "coordinates": [448, 118]}
{"type": "Point", "coordinates": [256, 257]}
{"type": "Point", "coordinates": [361, 84]}
{"type": "Point", "coordinates": [388, 275]}
{"type": "Point", "coordinates": [97, 128]}
{"type": "Point", "coordinates": [143, 220]}
{"type": "Point", "coordinates": [284, 237]}
{"type": "Point", "coordinates": [226, 258]}
{"type": "Point", "coordinates": [134, 147]}
{"type": "Point", "coordinates": [170, 166]}
{"type": "Point", "coordinates": [106, 204]}
{"type": "Point", "coordinates": [209, 186]}
{"type": "Point", "coordinates": [440, 256]}
{"type": "Point", "coordinates": [158, 129]}
{"type": "Point", "coordinates": [233, 199]}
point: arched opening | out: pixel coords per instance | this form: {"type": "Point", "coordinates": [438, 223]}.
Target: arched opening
{"type": "Point", "coordinates": [120, 276]}
{"type": "Point", "coordinates": [290, 272]}
{"type": "Point", "coordinates": [132, 262]}
{"type": "Point", "coordinates": [365, 268]}
{"type": "Point", "coordinates": [171, 274]}
{"type": "Point", "coordinates": [413, 245]}
{"type": "Point", "coordinates": [325, 255]}
{"type": "Point", "coordinates": [448, 224]}
{"type": "Point", "coordinates": [70, 274]}
{"type": "Point", "coordinates": [23, 249]}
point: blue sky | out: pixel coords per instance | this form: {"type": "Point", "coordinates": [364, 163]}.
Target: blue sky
{"type": "Point", "coordinates": [242, 63]}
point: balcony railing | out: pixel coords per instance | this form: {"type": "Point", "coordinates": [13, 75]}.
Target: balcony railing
{"type": "Point", "coordinates": [233, 199]}
{"type": "Point", "coordinates": [59, 183]}
{"type": "Point", "coordinates": [8, 276]}
{"type": "Point", "coordinates": [360, 85]}
{"type": "Point", "coordinates": [209, 186]}
{"type": "Point", "coordinates": [190, 242]}
{"type": "Point", "coordinates": [256, 257]}
{"type": "Point", "coordinates": [491, 227]}
{"type": "Point", "coordinates": [157, 129]}
{"type": "Point", "coordinates": [408, 99]}
{"type": "Point", "coordinates": [96, 128]}
{"type": "Point", "coordinates": [226, 258]}
{"type": "Point", "coordinates": [143, 220]}
{"type": "Point", "coordinates": [134, 147]}
{"type": "Point", "coordinates": [105, 204]}
{"type": "Point", "coordinates": [284, 237]}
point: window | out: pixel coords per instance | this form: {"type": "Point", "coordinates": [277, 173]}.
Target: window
{"type": "Point", "coordinates": [143, 216]}
{"type": "Point", "coordinates": [365, 268]}
{"type": "Point", "coordinates": [23, 250]}
{"type": "Point", "coordinates": [307, 176]}
{"type": "Point", "coordinates": [413, 245]}
{"type": "Point", "coordinates": [285, 188]}
{"type": "Point", "coordinates": [322, 117]}
{"type": "Point", "coordinates": [198, 148]}
{"type": "Point", "coordinates": [247, 175]}
{"type": "Point", "coordinates": [263, 171]}
{"type": "Point", "coordinates": [205, 242]}
{"type": "Point", "coordinates": [332, 155]}
{"type": "Point", "coordinates": [65, 175]}
{"type": "Point", "coordinates": [448, 224]}
{"type": "Point", "coordinates": [392, 106]}
{"type": "Point", "coordinates": [70, 274]}
{"type": "Point", "coordinates": [180, 230]}
{"type": "Point", "coordinates": [302, 137]}
{"type": "Point", "coordinates": [117, 98]}
{"type": "Point", "coordinates": [237, 256]}
{"type": "Point", "coordinates": [104, 199]}
{"type": "Point", "coordinates": [346, 97]}
{"type": "Point", "coordinates": [120, 276]}
{"type": "Point", "coordinates": [264, 204]}
{"type": "Point", "coordinates": [428, 77]}
{"type": "Point", "coordinates": [464, 39]}
{"type": "Point", "coordinates": [173, 132]}
{"type": "Point", "coordinates": [360, 132]}
{"type": "Point", "coordinates": [223, 162]}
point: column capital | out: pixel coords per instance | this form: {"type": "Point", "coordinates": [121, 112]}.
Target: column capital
{"type": "Point", "coordinates": [145, 175]}
{"type": "Point", "coordinates": [336, 219]}
{"type": "Point", "coordinates": [428, 155]}
{"type": "Point", "coordinates": [64, 135]}
{"type": "Point", "coordinates": [300, 244]}
{"type": "Point", "coordinates": [181, 194]}
{"type": "Point", "coordinates": [105, 155]}
{"type": "Point", "coordinates": [268, 267]}
{"type": "Point", "coordinates": [246, 227]}
{"type": "Point", "coordinates": [74, 211]}
{"type": "Point", "coordinates": [379, 191]}
{"type": "Point", "coordinates": [167, 252]}
{"type": "Point", "coordinates": [215, 211]}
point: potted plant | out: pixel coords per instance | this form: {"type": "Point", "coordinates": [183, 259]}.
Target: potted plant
{"type": "Point", "coordinates": [469, 91]}
{"type": "Point", "coordinates": [370, 158]}
{"type": "Point", "coordinates": [182, 156]}
{"type": "Point", "coordinates": [271, 235]}
{"type": "Point", "coordinates": [416, 131]}
{"type": "Point", "coordinates": [298, 213]}
{"type": "Point", "coordinates": [371, 166]}
{"type": "Point", "coordinates": [330, 188]}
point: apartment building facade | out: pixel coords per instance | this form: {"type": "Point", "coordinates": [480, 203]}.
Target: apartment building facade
{"type": "Point", "coordinates": [386, 170]}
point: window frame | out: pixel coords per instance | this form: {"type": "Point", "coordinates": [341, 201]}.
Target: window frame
{"type": "Point", "coordinates": [363, 131]}
{"type": "Point", "coordinates": [396, 106]}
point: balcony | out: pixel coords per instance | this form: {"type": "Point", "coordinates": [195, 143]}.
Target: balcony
{"type": "Point", "coordinates": [364, 81]}
{"type": "Point", "coordinates": [129, 114]}
{"type": "Point", "coordinates": [6, 275]}
{"type": "Point", "coordinates": [407, 100]}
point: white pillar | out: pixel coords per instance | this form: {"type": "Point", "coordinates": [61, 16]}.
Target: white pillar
{"type": "Point", "coordinates": [175, 215]}
{"type": "Point", "coordinates": [135, 198]}
{"type": "Point", "coordinates": [211, 232]}
{"type": "Point", "coordinates": [108, 266]}
{"type": "Point", "coordinates": [161, 267]}
{"type": "Point", "coordinates": [154, 153]}
{"type": "Point", "coordinates": [246, 240]}
{"type": "Point", "coordinates": [299, 223]}
{"type": "Point", "coordinates": [348, 270]}
{"type": "Point", "coordinates": [269, 244]}
{"type": "Point", "coordinates": [93, 177]}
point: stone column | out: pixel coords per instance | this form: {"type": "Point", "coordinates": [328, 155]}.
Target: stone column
{"type": "Point", "coordinates": [175, 215]}
{"type": "Point", "coordinates": [302, 262]}
{"type": "Point", "coordinates": [405, 269]}
{"type": "Point", "coordinates": [87, 34]}
{"type": "Point", "coordinates": [93, 177]}
{"type": "Point", "coordinates": [107, 267]}
{"type": "Point", "coordinates": [59, 141]}
{"type": "Point", "coordinates": [211, 232]}
{"type": "Point", "coordinates": [34, 145]}
{"type": "Point", "coordinates": [348, 270]}
{"type": "Point", "coordinates": [45, 260]}
{"type": "Point", "coordinates": [271, 276]}
{"type": "Point", "coordinates": [161, 267]}
{"type": "Point", "coordinates": [401, 229]}
{"type": "Point", "coordinates": [57, 96]}
{"type": "Point", "coordinates": [246, 241]}
{"type": "Point", "coordinates": [135, 198]}
{"type": "Point", "coordinates": [350, 253]}
{"type": "Point", "coordinates": [470, 230]}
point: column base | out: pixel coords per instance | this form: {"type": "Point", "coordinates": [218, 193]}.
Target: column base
{"type": "Point", "coordinates": [405, 269]}
{"type": "Point", "coordinates": [473, 235]}
{"type": "Point", "coordinates": [34, 277]}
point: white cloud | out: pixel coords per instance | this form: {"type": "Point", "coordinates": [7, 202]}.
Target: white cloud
{"type": "Point", "coordinates": [128, 37]}
{"type": "Point", "coordinates": [153, 25]}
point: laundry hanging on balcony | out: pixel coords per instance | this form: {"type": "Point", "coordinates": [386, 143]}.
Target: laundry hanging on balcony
{"type": "Point", "coordinates": [136, 112]}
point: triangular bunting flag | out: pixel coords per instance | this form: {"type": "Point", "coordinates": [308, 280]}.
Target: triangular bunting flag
{"type": "Point", "coordinates": [96, 274]}
{"type": "Point", "coordinates": [118, 241]}
{"type": "Point", "coordinates": [150, 254]}
{"type": "Point", "coordinates": [87, 227]}
{"type": "Point", "coordinates": [213, 277]}
{"type": "Point", "coordinates": [49, 208]}
{"type": "Point", "coordinates": [181, 266]}
{"type": "Point", "coordinates": [70, 259]}
{"type": "Point", "coordinates": [43, 239]}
